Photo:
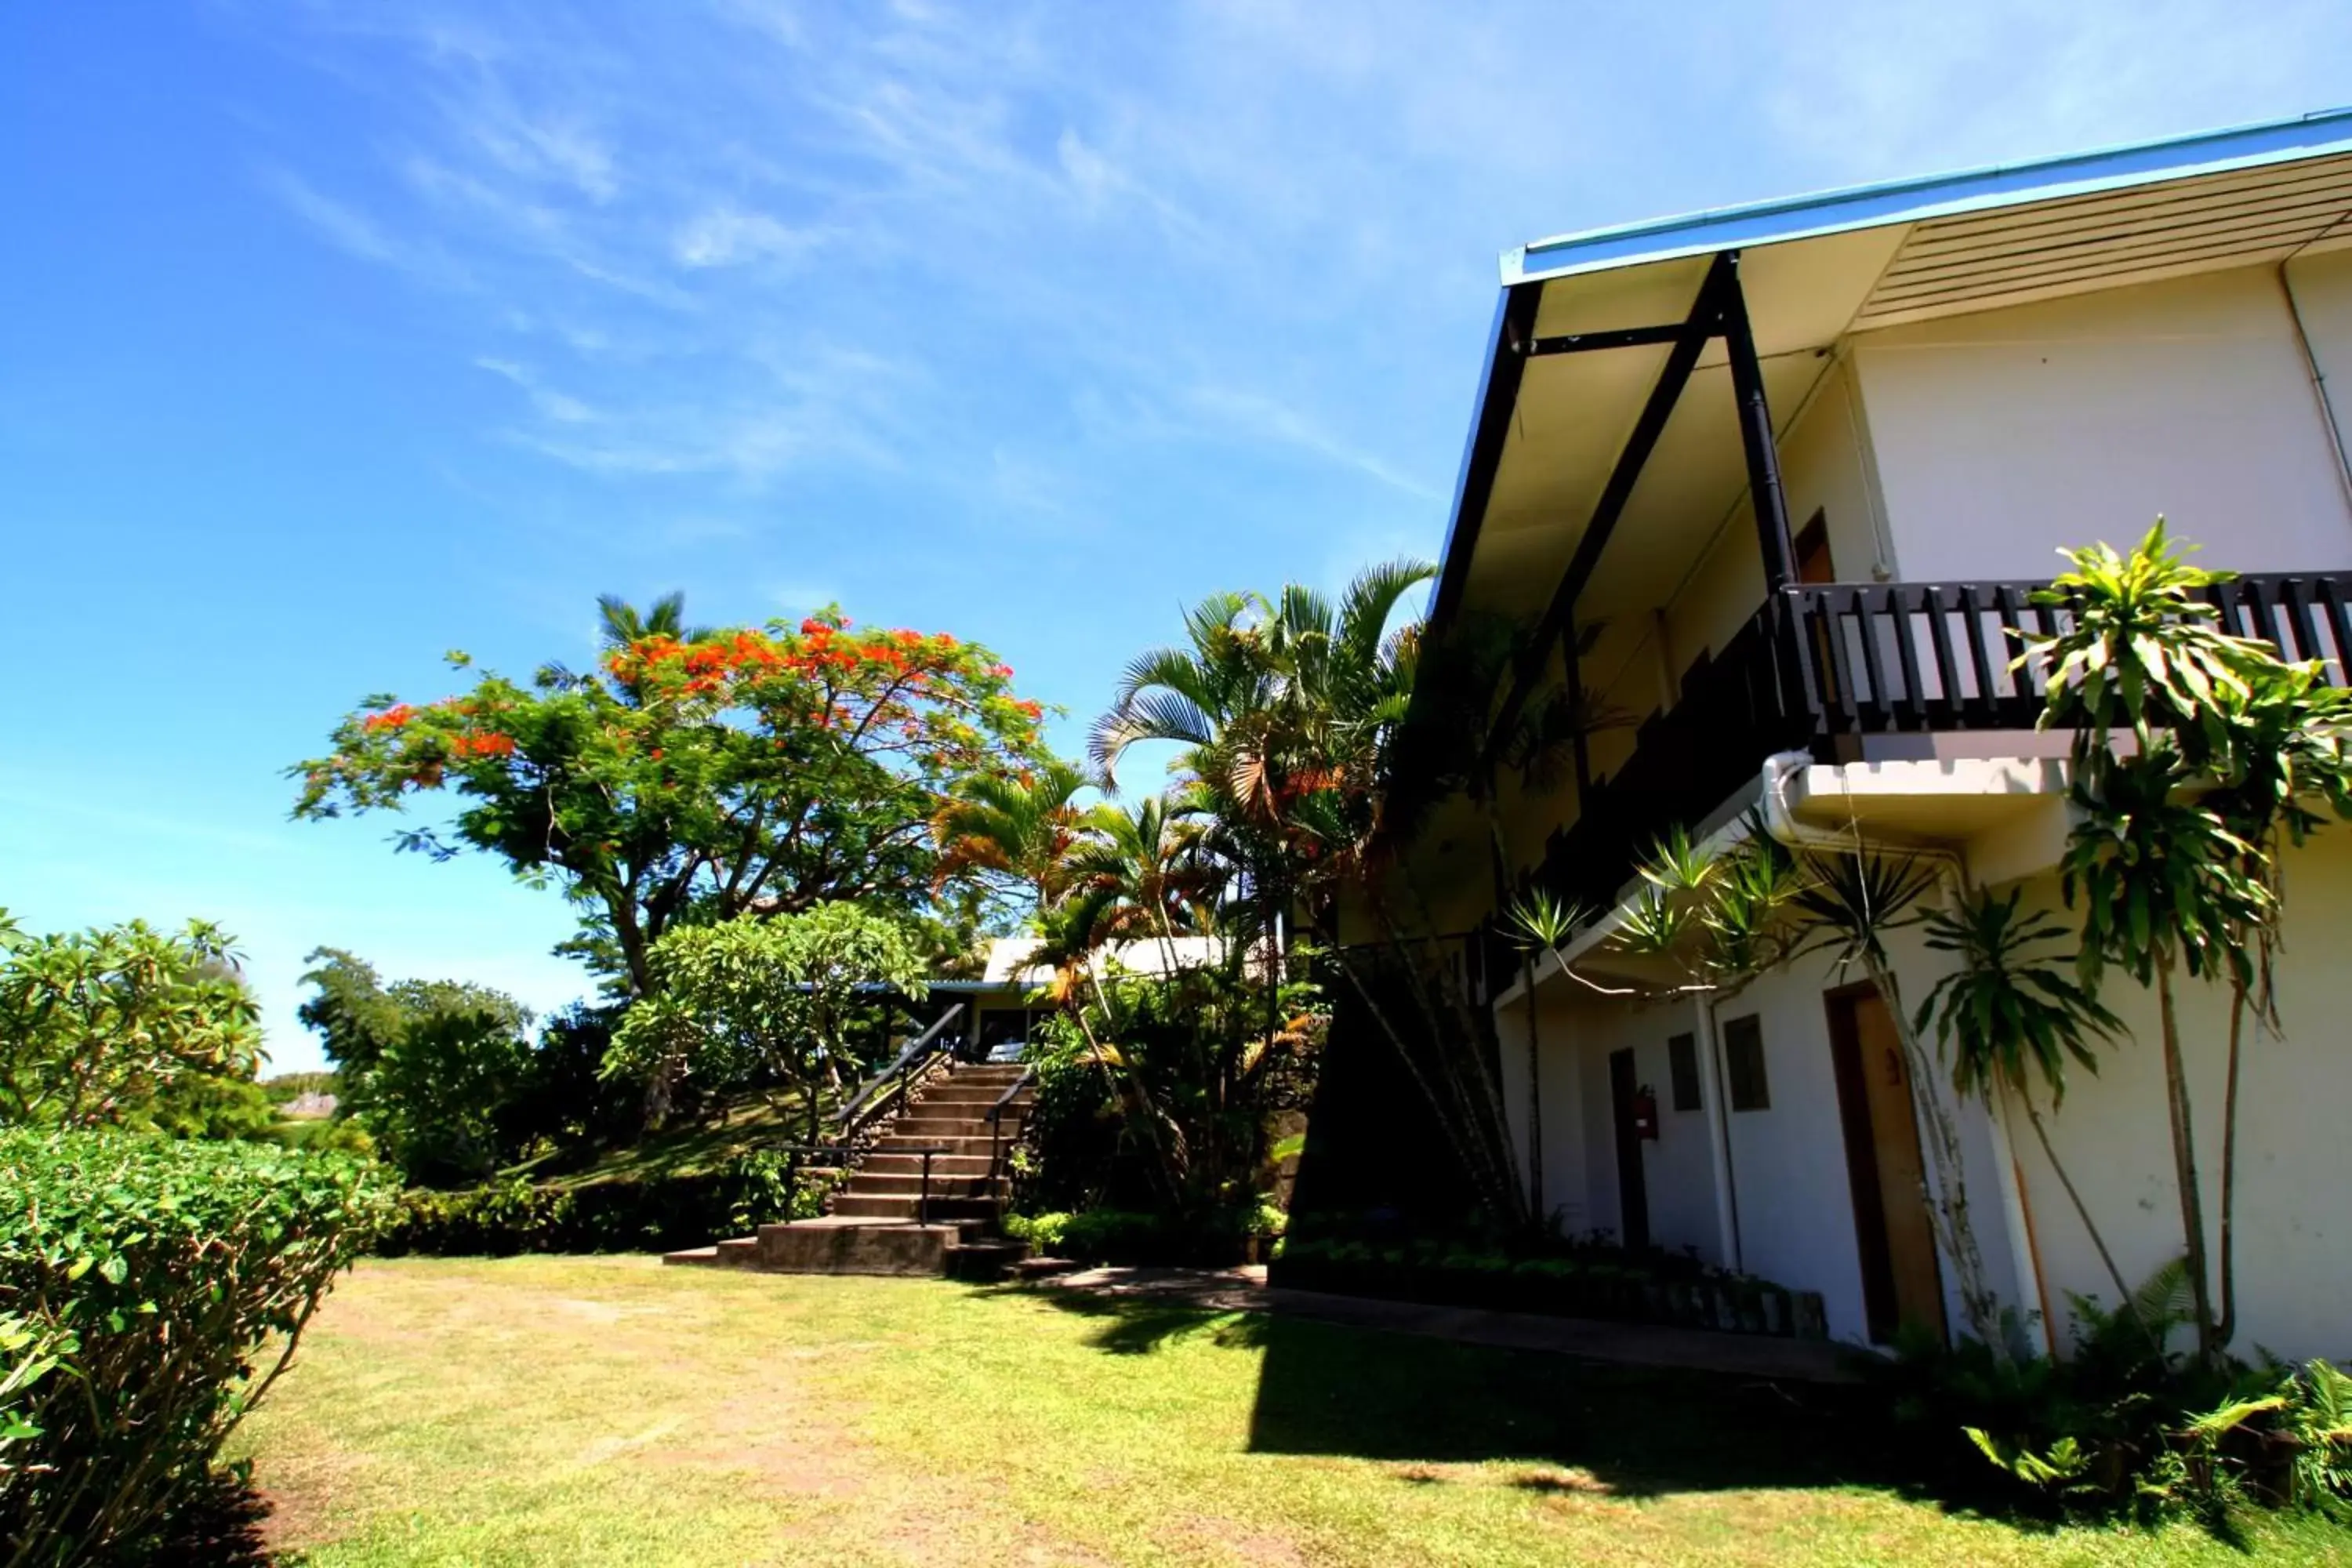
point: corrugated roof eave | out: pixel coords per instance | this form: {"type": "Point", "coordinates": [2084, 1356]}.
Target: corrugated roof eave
{"type": "Point", "coordinates": [1941, 196]}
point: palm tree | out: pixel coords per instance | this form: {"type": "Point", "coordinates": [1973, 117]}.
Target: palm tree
{"type": "Point", "coordinates": [1153, 863]}
{"type": "Point", "coordinates": [624, 624]}
{"type": "Point", "coordinates": [1022, 828]}
{"type": "Point", "coordinates": [1286, 712]}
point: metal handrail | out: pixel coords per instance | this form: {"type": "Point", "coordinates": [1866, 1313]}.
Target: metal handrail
{"type": "Point", "coordinates": [851, 1116]}
{"type": "Point", "coordinates": [922, 1195]}
{"type": "Point", "coordinates": [997, 1136]}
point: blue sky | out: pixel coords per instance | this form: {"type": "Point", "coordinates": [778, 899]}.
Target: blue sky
{"type": "Point", "coordinates": [332, 337]}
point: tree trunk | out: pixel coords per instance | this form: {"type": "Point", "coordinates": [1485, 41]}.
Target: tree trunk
{"type": "Point", "coordinates": [2082, 1210]}
{"type": "Point", "coordinates": [2184, 1162]}
{"type": "Point", "coordinates": [2226, 1269]}
{"type": "Point", "coordinates": [1449, 1106]}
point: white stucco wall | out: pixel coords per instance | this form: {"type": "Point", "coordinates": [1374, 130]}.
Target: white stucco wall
{"type": "Point", "coordinates": [1794, 1198]}
{"type": "Point", "coordinates": [2001, 435]}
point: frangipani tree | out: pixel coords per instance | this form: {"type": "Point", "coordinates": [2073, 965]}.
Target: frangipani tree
{"type": "Point", "coordinates": [93, 1024]}
{"type": "Point", "coordinates": [766, 1000]}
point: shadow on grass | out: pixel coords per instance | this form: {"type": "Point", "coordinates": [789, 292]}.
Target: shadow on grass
{"type": "Point", "coordinates": [1636, 1431]}
{"type": "Point", "coordinates": [222, 1529]}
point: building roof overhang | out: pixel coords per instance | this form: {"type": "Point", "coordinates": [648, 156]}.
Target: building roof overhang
{"type": "Point", "coordinates": [1578, 340]}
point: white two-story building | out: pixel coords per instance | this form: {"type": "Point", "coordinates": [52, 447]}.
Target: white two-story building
{"type": "Point", "coordinates": [1780, 477]}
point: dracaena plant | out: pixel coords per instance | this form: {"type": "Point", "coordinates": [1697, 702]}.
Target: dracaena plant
{"type": "Point", "coordinates": [2196, 756]}
{"type": "Point", "coordinates": [2014, 1017]}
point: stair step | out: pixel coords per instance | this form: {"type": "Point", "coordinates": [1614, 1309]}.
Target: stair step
{"type": "Point", "coordinates": [849, 1205]}
{"type": "Point", "coordinates": [968, 1147]}
{"type": "Point", "coordinates": [880, 1184]}
{"type": "Point", "coordinates": [980, 1262]}
{"type": "Point", "coordinates": [884, 1163]}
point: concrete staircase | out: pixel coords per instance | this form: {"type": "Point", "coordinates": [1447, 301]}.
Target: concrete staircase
{"type": "Point", "coordinates": [879, 1222]}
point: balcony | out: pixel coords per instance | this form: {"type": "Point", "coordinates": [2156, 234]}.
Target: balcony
{"type": "Point", "coordinates": [1854, 672]}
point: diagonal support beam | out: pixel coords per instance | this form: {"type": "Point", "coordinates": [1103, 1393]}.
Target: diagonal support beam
{"type": "Point", "coordinates": [1771, 504]}
{"type": "Point", "coordinates": [1703, 324]}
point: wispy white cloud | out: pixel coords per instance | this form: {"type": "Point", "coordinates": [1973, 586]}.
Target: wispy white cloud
{"type": "Point", "coordinates": [1259, 416]}
{"type": "Point", "coordinates": [560, 407]}
{"type": "Point", "coordinates": [354, 232]}
{"type": "Point", "coordinates": [727, 236]}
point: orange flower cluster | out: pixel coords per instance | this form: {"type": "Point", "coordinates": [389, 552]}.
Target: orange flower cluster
{"type": "Point", "coordinates": [390, 718]}
{"type": "Point", "coordinates": [490, 744]}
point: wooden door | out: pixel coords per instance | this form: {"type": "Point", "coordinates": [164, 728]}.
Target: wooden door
{"type": "Point", "coordinates": [1901, 1280]}
{"type": "Point", "coordinates": [1632, 1185]}
{"type": "Point", "coordinates": [1815, 564]}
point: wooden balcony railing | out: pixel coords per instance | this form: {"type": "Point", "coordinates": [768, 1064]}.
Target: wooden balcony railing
{"type": "Point", "coordinates": [1821, 667]}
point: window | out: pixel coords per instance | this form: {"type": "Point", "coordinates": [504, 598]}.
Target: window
{"type": "Point", "coordinates": [1682, 1065]}
{"type": "Point", "coordinates": [1743, 1063]}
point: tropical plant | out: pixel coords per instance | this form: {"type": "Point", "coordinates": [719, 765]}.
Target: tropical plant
{"type": "Point", "coordinates": [695, 778]}
{"type": "Point", "coordinates": [1539, 924]}
{"type": "Point", "coordinates": [1719, 918]}
{"type": "Point", "coordinates": [624, 626]}
{"type": "Point", "coordinates": [1020, 829]}
{"type": "Point", "coordinates": [94, 1025]}
{"type": "Point", "coordinates": [2193, 751]}
{"type": "Point", "coordinates": [2012, 1016]}
{"type": "Point", "coordinates": [1286, 711]}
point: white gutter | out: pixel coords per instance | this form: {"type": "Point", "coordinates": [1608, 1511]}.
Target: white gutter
{"type": "Point", "coordinates": [1781, 824]}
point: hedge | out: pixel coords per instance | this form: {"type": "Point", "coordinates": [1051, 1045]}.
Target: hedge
{"type": "Point", "coordinates": [1123, 1236]}
{"type": "Point", "coordinates": [151, 1291]}
{"type": "Point", "coordinates": [616, 1214]}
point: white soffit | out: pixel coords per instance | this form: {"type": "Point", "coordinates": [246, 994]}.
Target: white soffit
{"type": "Point", "coordinates": [2111, 240]}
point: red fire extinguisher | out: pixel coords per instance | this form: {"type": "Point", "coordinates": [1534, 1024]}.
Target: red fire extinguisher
{"type": "Point", "coordinates": [1646, 1112]}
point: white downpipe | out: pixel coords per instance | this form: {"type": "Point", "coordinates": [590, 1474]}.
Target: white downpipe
{"type": "Point", "coordinates": [2318, 380]}
{"type": "Point", "coordinates": [1781, 824]}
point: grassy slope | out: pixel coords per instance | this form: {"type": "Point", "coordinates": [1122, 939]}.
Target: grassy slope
{"type": "Point", "coordinates": [751, 1124]}
{"type": "Point", "coordinates": [602, 1411]}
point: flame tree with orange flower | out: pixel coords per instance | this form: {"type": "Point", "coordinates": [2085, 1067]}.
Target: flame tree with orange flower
{"type": "Point", "coordinates": [697, 776]}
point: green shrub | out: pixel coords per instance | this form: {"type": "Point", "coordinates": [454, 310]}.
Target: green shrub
{"type": "Point", "coordinates": [619, 1214]}
{"type": "Point", "coordinates": [2128, 1424]}
{"type": "Point", "coordinates": [1122, 1236]}
{"type": "Point", "coordinates": [142, 1280]}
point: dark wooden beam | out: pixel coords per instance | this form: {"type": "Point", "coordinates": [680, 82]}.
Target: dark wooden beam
{"type": "Point", "coordinates": [1771, 505]}
{"type": "Point", "coordinates": [1615, 338]}
{"type": "Point", "coordinates": [1498, 396]}
{"type": "Point", "coordinates": [1704, 322]}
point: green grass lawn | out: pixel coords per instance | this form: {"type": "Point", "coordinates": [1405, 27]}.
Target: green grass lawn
{"type": "Point", "coordinates": [589, 1411]}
